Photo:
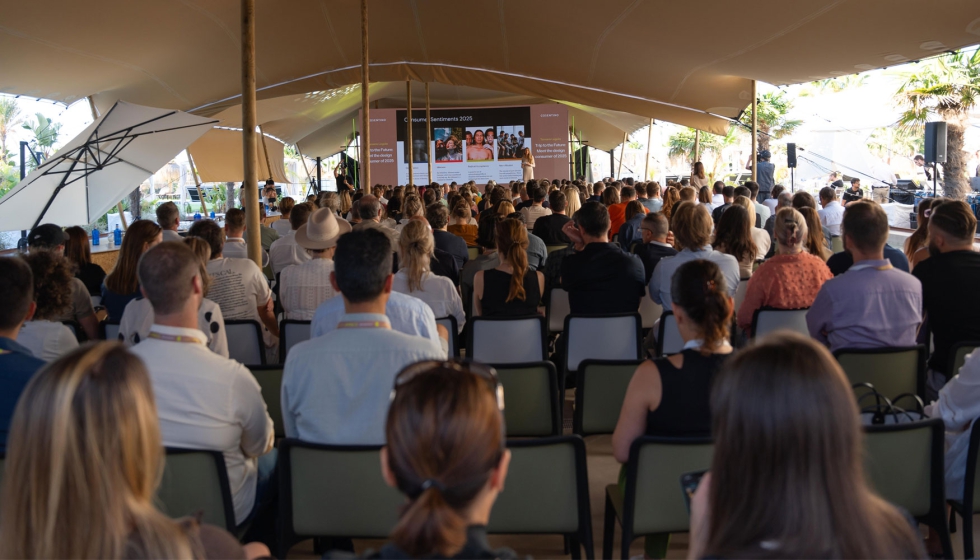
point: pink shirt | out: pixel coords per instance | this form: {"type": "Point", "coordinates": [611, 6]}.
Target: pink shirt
{"type": "Point", "coordinates": [784, 282]}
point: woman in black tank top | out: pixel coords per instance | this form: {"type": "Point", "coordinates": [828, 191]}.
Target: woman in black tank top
{"type": "Point", "coordinates": [511, 289]}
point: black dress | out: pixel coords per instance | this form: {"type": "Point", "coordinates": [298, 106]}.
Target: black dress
{"type": "Point", "coordinates": [496, 286]}
{"type": "Point", "coordinates": [92, 276]}
{"type": "Point", "coordinates": [685, 408]}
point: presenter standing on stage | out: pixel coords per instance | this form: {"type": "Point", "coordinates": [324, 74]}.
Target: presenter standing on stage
{"type": "Point", "coordinates": [527, 164]}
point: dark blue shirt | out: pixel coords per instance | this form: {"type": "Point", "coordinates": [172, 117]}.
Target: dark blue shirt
{"type": "Point", "coordinates": [17, 367]}
{"type": "Point", "coordinates": [840, 262]}
{"type": "Point", "coordinates": [115, 303]}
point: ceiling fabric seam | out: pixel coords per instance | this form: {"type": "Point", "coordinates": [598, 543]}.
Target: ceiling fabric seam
{"type": "Point", "coordinates": [333, 34]}
{"type": "Point", "coordinates": [235, 39]}
{"type": "Point", "coordinates": [418, 29]}
{"type": "Point", "coordinates": [505, 49]}
{"type": "Point", "coordinates": [605, 33]}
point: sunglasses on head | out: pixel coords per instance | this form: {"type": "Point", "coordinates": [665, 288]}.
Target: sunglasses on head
{"type": "Point", "coordinates": [482, 371]}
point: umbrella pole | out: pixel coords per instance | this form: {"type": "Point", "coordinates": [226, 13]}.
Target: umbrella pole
{"type": "Point", "coordinates": [409, 144]}
{"type": "Point", "coordinates": [365, 101]}
{"type": "Point", "coordinates": [122, 215]}
{"type": "Point", "coordinates": [265, 150]}
{"type": "Point", "coordinates": [428, 133]}
{"type": "Point", "coordinates": [197, 181]}
{"type": "Point", "coordinates": [250, 184]}
{"type": "Point", "coordinates": [755, 132]}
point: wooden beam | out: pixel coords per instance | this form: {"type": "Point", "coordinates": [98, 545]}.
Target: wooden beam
{"type": "Point", "coordinates": [119, 207]}
{"type": "Point", "coordinates": [697, 146]}
{"type": "Point", "coordinates": [622, 152]}
{"type": "Point", "coordinates": [755, 131]}
{"type": "Point", "coordinates": [250, 156]}
{"type": "Point", "coordinates": [409, 145]}
{"type": "Point", "coordinates": [428, 133]}
{"type": "Point", "coordinates": [197, 181]}
{"type": "Point", "coordinates": [646, 162]}
{"type": "Point", "coordinates": [365, 102]}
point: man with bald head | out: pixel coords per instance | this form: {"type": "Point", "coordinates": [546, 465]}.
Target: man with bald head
{"type": "Point", "coordinates": [369, 211]}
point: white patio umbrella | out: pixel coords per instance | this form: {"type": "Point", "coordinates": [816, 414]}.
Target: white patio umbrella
{"type": "Point", "coordinates": [97, 168]}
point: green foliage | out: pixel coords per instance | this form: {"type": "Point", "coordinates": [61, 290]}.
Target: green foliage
{"type": "Point", "coordinates": [772, 121]}
{"type": "Point", "coordinates": [681, 146]}
{"type": "Point", "coordinates": [9, 118]}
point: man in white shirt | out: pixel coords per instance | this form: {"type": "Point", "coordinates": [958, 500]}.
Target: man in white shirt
{"type": "Point", "coordinates": [536, 209]}
{"type": "Point", "coordinates": [168, 218]}
{"type": "Point", "coordinates": [717, 197]}
{"type": "Point", "coordinates": [761, 210]}
{"type": "Point", "coordinates": [235, 246]}
{"type": "Point", "coordinates": [285, 251]}
{"type": "Point", "coordinates": [204, 401]}
{"type": "Point", "coordinates": [831, 214]}
{"type": "Point", "coordinates": [347, 402]}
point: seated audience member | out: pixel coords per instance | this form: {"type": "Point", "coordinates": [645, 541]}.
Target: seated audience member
{"type": "Point", "coordinates": [733, 236]}
{"type": "Point", "coordinates": [839, 263]}
{"type": "Point", "coordinates": [549, 228]}
{"type": "Point", "coordinates": [285, 251]}
{"type": "Point", "coordinates": [168, 218]}
{"type": "Point", "coordinates": [305, 286]}
{"type": "Point", "coordinates": [718, 193]}
{"type": "Point", "coordinates": [49, 237]}
{"type": "Point", "coordinates": [917, 244]}
{"type": "Point", "coordinates": [704, 198]}
{"type": "Point", "coordinates": [266, 233]}
{"type": "Point", "coordinates": [872, 305]}
{"type": "Point", "coordinates": [237, 285]}
{"type": "Point", "coordinates": [773, 201]}
{"type": "Point", "coordinates": [17, 364]}
{"type": "Point", "coordinates": [488, 258]}
{"type": "Point", "coordinates": [537, 251]}
{"type": "Point", "coordinates": [617, 212]}
{"type": "Point", "coordinates": [654, 230]}
{"type": "Point", "coordinates": [787, 432]}
{"type": "Point", "coordinates": [692, 233]}
{"type": "Point", "coordinates": [816, 242]}
{"type": "Point", "coordinates": [347, 403]}
{"type": "Point", "coordinates": [789, 280]}
{"type": "Point", "coordinates": [438, 218]}
{"type": "Point", "coordinates": [137, 319]}
{"type": "Point", "coordinates": [414, 278]}
{"type": "Point", "coordinates": [413, 207]}
{"type": "Point", "coordinates": [46, 337]}
{"type": "Point", "coordinates": [689, 194]}
{"type": "Point", "coordinates": [205, 401]}
{"type": "Point", "coordinates": [653, 202]}
{"type": "Point", "coordinates": [283, 225]}
{"type": "Point", "coordinates": [949, 278]}
{"type": "Point", "coordinates": [854, 193]}
{"type": "Point", "coordinates": [512, 288]}
{"type": "Point", "coordinates": [121, 285]}
{"type": "Point", "coordinates": [370, 212]}
{"type": "Point", "coordinates": [959, 406]}
{"type": "Point", "coordinates": [446, 452]}
{"type": "Point", "coordinates": [599, 277]}
{"type": "Point", "coordinates": [235, 246]}
{"type": "Point", "coordinates": [629, 232]}
{"type": "Point", "coordinates": [79, 254]}
{"type": "Point", "coordinates": [759, 236]}
{"type": "Point", "coordinates": [761, 210]}
{"type": "Point", "coordinates": [831, 212]}
{"type": "Point", "coordinates": [728, 196]}
{"type": "Point", "coordinates": [461, 226]}
{"type": "Point", "coordinates": [536, 208]}
{"type": "Point", "coordinates": [84, 464]}
{"type": "Point", "coordinates": [804, 199]}
{"type": "Point", "coordinates": [610, 196]}
{"type": "Point", "coordinates": [783, 200]}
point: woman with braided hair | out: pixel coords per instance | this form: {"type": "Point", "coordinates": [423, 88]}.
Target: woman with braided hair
{"type": "Point", "coordinates": [416, 248]}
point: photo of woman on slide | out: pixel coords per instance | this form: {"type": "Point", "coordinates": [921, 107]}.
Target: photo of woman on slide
{"type": "Point", "coordinates": [478, 150]}
{"type": "Point", "coordinates": [452, 151]}
{"type": "Point", "coordinates": [488, 138]}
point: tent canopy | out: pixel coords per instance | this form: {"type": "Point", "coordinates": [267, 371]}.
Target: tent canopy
{"type": "Point", "coordinates": [218, 157]}
{"type": "Point", "coordinates": [186, 55]}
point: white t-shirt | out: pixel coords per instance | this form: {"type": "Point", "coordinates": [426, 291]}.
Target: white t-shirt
{"type": "Point", "coordinates": [47, 340]}
{"type": "Point", "coordinates": [137, 319]}
{"type": "Point", "coordinates": [304, 287]}
{"type": "Point", "coordinates": [236, 248]}
{"type": "Point", "coordinates": [438, 292]}
{"type": "Point", "coordinates": [282, 226]}
{"type": "Point", "coordinates": [239, 288]}
{"type": "Point", "coordinates": [285, 252]}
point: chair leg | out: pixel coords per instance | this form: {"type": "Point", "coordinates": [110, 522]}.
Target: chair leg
{"type": "Point", "coordinates": [573, 546]}
{"type": "Point", "coordinates": [585, 537]}
{"type": "Point", "coordinates": [627, 541]}
{"type": "Point", "coordinates": [608, 530]}
{"type": "Point", "coordinates": [943, 530]}
{"type": "Point", "coordinates": [952, 520]}
{"type": "Point", "coordinates": [968, 534]}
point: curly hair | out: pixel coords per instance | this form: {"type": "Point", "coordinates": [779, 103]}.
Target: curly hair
{"type": "Point", "coordinates": [52, 283]}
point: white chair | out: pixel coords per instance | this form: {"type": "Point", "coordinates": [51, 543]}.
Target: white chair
{"type": "Point", "coordinates": [109, 330]}
{"type": "Point", "coordinates": [450, 323]}
{"type": "Point", "coordinates": [743, 288]}
{"type": "Point", "coordinates": [602, 337]}
{"type": "Point", "coordinates": [245, 342]}
{"type": "Point", "coordinates": [649, 310]}
{"type": "Point", "coordinates": [669, 339]}
{"type": "Point", "coordinates": [507, 340]}
{"type": "Point", "coordinates": [96, 301]}
{"type": "Point", "coordinates": [767, 320]}
{"type": "Point", "coordinates": [558, 309]}
{"type": "Point", "coordinates": [291, 333]}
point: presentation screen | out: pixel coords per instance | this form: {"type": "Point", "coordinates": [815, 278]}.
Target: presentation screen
{"type": "Point", "coordinates": [472, 144]}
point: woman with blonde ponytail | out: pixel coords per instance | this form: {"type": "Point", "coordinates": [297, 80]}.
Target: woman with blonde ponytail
{"type": "Point", "coordinates": [84, 460]}
{"type": "Point", "coordinates": [415, 278]}
{"type": "Point", "coordinates": [790, 279]}
{"type": "Point", "coordinates": [511, 289]}
{"type": "Point", "coordinates": [446, 452]}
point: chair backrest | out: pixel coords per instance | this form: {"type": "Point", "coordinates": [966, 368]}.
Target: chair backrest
{"type": "Point", "coordinates": [75, 329]}
{"type": "Point", "coordinates": [558, 309]}
{"type": "Point", "coordinates": [196, 481]}
{"type": "Point", "coordinates": [837, 244]}
{"type": "Point", "coordinates": [532, 406]}
{"type": "Point", "coordinates": [958, 356]}
{"type": "Point", "coordinates": [450, 323]}
{"type": "Point", "coordinates": [109, 330]}
{"type": "Point", "coordinates": [669, 339]}
{"type": "Point", "coordinates": [602, 337]}
{"type": "Point", "coordinates": [270, 382]}
{"type": "Point", "coordinates": [892, 371]}
{"type": "Point", "coordinates": [743, 288]}
{"type": "Point", "coordinates": [600, 390]}
{"type": "Point", "coordinates": [553, 248]}
{"type": "Point", "coordinates": [334, 491]}
{"type": "Point", "coordinates": [96, 301]}
{"type": "Point", "coordinates": [291, 333]}
{"type": "Point", "coordinates": [547, 488]}
{"type": "Point", "coordinates": [650, 311]}
{"type": "Point", "coordinates": [473, 252]}
{"type": "Point", "coordinates": [507, 340]}
{"type": "Point", "coordinates": [904, 463]}
{"type": "Point", "coordinates": [767, 320]}
{"type": "Point", "coordinates": [245, 341]}
{"type": "Point", "coordinates": [653, 497]}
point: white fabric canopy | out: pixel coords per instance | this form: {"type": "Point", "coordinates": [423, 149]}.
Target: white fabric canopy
{"type": "Point", "coordinates": [846, 152]}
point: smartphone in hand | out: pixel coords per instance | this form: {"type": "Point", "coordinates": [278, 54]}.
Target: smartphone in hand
{"type": "Point", "coordinates": [689, 484]}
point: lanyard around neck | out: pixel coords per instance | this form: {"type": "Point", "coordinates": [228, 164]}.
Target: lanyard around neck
{"type": "Point", "coordinates": [363, 325]}
{"type": "Point", "coordinates": [888, 266]}
{"type": "Point", "coordinates": [174, 338]}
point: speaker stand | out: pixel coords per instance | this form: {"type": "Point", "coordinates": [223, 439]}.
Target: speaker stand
{"type": "Point", "coordinates": [935, 178]}
{"type": "Point", "coordinates": [792, 180]}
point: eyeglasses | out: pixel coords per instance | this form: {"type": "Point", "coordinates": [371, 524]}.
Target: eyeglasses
{"type": "Point", "coordinates": [482, 371]}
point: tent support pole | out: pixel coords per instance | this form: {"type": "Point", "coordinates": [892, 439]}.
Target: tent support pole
{"type": "Point", "coordinates": [265, 150]}
{"type": "Point", "coordinates": [250, 185]}
{"type": "Point", "coordinates": [697, 146]}
{"type": "Point", "coordinates": [646, 162]}
{"type": "Point", "coordinates": [197, 181]}
{"type": "Point", "coordinates": [622, 153]}
{"type": "Point", "coordinates": [428, 132]}
{"type": "Point", "coordinates": [755, 131]}
{"type": "Point", "coordinates": [302, 160]}
{"type": "Point", "coordinates": [365, 102]}
{"type": "Point", "coordinates": [119, 207]}
{"type": "Point", "coordinates": [409, 141]}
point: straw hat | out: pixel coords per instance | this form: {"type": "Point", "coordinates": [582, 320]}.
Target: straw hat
{"type": "Point", "coordinates": [322, 230]}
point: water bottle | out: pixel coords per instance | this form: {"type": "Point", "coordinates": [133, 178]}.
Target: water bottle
{"type": "Point", "coordinates": [117, 236]}
{"type": "Point", "coordinates": [197, 216]}
{"type": "Point", "coordinates": [95, 237]}
{"type": "Point", "coordinates": [212, 214]}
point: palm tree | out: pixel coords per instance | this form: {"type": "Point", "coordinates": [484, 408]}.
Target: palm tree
{"type": "Point", "coordinates": [9, 118]}
{"type": "Point", "coordinates": [773, 124]}
{"type": "Point", "coordinates": [947, 86]}
{"type": "Point", "coordinates": [45, 132]}
{"type": "Point", "coordinates": [681, 146]}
